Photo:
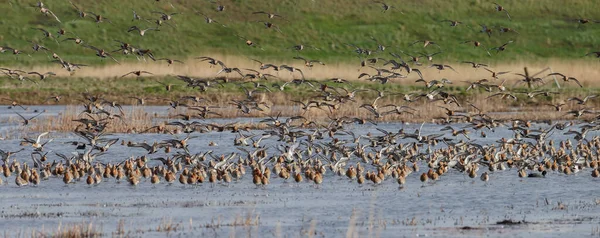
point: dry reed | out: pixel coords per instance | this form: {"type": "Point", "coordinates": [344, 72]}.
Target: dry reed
{"type": "Point", "coordinates": [136, 119]}
{"type": "Point", "coordinates": [167, 225]}
{"type": "Point", "coordinates": [77, 230]}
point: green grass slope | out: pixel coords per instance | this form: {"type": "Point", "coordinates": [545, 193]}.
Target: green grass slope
{"type": "Point", "coordinates": [546, 29]}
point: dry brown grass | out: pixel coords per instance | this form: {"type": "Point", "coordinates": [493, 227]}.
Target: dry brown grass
{"type": "Point", "coordinates": [77, 230]}
{"type": "Point", "coordinates": [137, 119]}
{"type": "Point", "coordinates": [249, 219]}
{"type": "Point", "coordinates": [584, 70]}
{"type": "Point", "coordinates": [133, 120]}
{"type": "Point", "coordinates": [595, 231]}
{"type": "Point", "coordinates": [167, 225]}
{"type": "Point", "coordinates": [120, 228]}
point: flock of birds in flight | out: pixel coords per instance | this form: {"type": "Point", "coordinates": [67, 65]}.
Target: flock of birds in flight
{"type": "Point", "coordinates": [296, 147]}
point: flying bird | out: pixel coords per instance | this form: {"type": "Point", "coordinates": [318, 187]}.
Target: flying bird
{"type": "Point", "coordinates": [499, 8]}
{"type": "Point", "coordinates": [137, 73]}
{"type": "Point", "coordinates": [26, 121]}
{"type": "Point", "coordinates": [142, 31]}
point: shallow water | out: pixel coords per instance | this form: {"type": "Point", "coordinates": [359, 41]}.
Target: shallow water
{"type": "Point", "coordinates": [440, 208]}
{"type": "Point", "coordinates": [455, 205]}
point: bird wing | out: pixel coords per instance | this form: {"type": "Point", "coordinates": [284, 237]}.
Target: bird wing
{"type": "Point", "coordinates": [302, 73]}
{"type": "Point", "coordinates": [35, 73]}
{"type": "Point", "coordinates": [113, 58]}
{"type": "Point", "coordinates": [25, 119]}
{"type": "Point", "coordinates": [127, 74]}
{"type": "Point", "coordinates": [559, 74]}
{"type": "Point", "coordinates": [55, 17]}
{"type": "Point", "coordinates": [133, 28]}
{"type": "Point", "coordinates": [40, 136]}
{"type": "Point", "coordinates": [300, 58]}
{"type": "Point", "coordinates": [238, 71]}
{"type": "Point", "coordinates": [450, 67]}
{"type": "Point", "coordinates": [91, 47]}
{"type": "Point", "coordinates": [576, 81]}
{"type": "Point", "coordinates": [418, 72]}
{"type": "Point", "coordinates": [258, 61]}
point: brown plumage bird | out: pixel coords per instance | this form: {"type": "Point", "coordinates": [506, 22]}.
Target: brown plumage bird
{"type": "Point", "coordinates": [137, 73]}
{"type": "Point", "coordinates": [424, 177]}
{"type": "Point", "coordinates": [485, 177]}
{"type": "Point", "coordinates": [298, 177]}
{"type": "Point", "coordinates": [170, 61]}
{"type": "Point", "coordinates": [318, 179]}
{"type": "Point", "coordinates": [68, 177]}
{"type": "Point", "coordinates": [499, 8]}
{"type": "Point", "coordinates": [270, 15]}
{"type": "Point", "coordinates": [566, 78]}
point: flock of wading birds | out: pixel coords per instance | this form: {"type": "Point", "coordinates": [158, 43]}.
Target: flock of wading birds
{"type": "Point", "coordinates": [298, 148]}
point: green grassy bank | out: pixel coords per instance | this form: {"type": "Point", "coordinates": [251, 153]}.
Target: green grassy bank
{"type": "Point", "coordinates": [546, 29]}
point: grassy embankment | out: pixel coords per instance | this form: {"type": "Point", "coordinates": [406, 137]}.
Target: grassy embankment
{"type": "Point", "coordinates": [543, 26]}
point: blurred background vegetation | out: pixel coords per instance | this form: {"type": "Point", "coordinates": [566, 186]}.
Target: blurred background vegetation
{"type": "Point", "coordinates": [546, 29]}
